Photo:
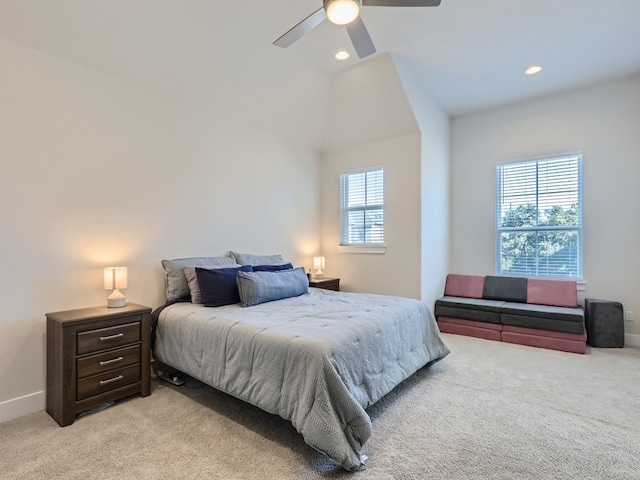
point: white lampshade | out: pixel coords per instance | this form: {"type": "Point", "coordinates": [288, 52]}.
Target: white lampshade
{"type": "Point", "coordinates": [342, 12]}
{"type": "Point", "coordinates": [318, 264]}
{"type": "Point", "coordinates": [115, 278]}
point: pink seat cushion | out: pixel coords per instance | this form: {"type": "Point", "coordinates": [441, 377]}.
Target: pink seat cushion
{"type": "Point", "coordinates": [468, 286]}
{"type": "Point", "coordinates": [469, 331]}
{"type": "Point", "coordinates": [559, 293]}
{"type": "Point", "coordinates": [573, 346]}
{"type": "Point", "coordinates": [577, 337]}
{"type": "Point", "coordinates": [471, 323]}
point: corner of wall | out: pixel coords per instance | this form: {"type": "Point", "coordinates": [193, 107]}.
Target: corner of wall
{"type": "Point", "coordinates": [434, 124]}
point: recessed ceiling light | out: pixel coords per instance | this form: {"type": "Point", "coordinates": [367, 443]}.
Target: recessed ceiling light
{"type": "Point", "coordinates": [533, 70]}
{"type": "Point", "coordinates": [341, 55]}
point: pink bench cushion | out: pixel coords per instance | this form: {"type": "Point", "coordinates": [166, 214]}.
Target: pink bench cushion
{"type": "Point", "coordinates": [559, 293]}
{"type": "Point", "coordinates": [471, 323]}
{"type": "Point", "coordinates": [577, 337]}
{"type": "Point", "coordinates": [553, 343]}
{"type": "Point", "coordinates": [468, 286]}
{"type": "Point", "coordinates": [469, 330]}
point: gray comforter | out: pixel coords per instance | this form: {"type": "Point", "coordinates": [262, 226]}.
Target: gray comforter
{"type": "Point", "coordinates": [318, 360]}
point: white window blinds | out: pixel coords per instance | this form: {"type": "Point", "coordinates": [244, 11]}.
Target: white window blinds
{"type": "Point", "coordinates": [362, 208]}
{"type": "Point", "coordinates": [539, 217]}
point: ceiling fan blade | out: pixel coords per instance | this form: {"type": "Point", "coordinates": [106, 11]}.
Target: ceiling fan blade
{"type": "Point", "coordinates": [400, 3]}
{"type": "Point", "coordinates": [304, 27]}
{"type": "Point", "coordinates": [360, 38]}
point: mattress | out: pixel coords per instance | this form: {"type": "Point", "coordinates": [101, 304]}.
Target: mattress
{"type": "Point", "coordinates": [318, 360]}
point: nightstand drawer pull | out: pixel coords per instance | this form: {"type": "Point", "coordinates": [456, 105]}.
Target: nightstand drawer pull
{"type": "Point", "coordinates": [114, 379]}
{"type": "Point", "coordinates": [109, 362]}
{"type": "Point", "coordinates": [111, 337]}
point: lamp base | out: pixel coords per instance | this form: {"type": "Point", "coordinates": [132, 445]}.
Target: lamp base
{"type": "Point", "coordinates": [318, 275]}
{"type": "Point", "coordinates": [116, 302]}
{"type": "Point", "coordinates": [116, 299]}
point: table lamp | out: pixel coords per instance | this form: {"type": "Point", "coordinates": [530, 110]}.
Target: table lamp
{"type": "Point", "coordinates": [318, 264]}
{"type": "Point", "coordinates": [115, 278]}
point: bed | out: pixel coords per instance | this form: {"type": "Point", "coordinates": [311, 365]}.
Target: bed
{"type": "Point", "coordinates": [318, 359]}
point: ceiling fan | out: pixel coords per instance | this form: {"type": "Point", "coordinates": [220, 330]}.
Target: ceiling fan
{"type": "Point", "coordinates": [347, 12]}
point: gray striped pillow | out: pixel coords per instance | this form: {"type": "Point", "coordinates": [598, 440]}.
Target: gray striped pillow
{"type": "Point", "coordinates": [251, 259]}
{"type": "Point", "coordinates": [260, 287]}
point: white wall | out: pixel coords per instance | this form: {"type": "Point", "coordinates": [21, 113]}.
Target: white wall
{"type": "Point", "coordinates": [603, 121]}
{"type": "Point", "coordinates": [396, 272]}
{"type": "Point", "coordinates": [434, 182]}
{"type": "Point", "coordinates": [370, 123]}
{"type": "Point", "coordinates": [367, 102]}
{"type": "Point", "coordinates": [98, 172]}
{"type": "Point", "coordinates": [379, 115]}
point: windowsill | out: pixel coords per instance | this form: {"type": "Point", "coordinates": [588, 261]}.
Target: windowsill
{"type": "Point", "coordinates": [361, 249]}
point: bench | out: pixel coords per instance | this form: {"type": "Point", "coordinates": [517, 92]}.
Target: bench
{"type": "Point", "coordinates": [527, 311]}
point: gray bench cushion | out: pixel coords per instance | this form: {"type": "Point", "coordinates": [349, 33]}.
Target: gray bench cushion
{"type": "Point", "coordinates": [469, 309]}
{"type": "Point", "coordinates": [510, 289]}
{"type": "Point", "coordinates": [544, 317]}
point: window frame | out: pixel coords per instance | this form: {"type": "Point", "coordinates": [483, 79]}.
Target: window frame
{"type": "Point", "coordinates": [360, 247]}
{"type": "Point", "coordinates": [537, 229]}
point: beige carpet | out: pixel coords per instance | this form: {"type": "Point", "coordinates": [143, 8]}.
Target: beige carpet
{"type": "Point", "coordinates": [488, 411]}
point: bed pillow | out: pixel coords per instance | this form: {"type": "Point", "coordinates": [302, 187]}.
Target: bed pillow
{"type": "Point", "coordinates": [177, 286]}
{"type": "Point", "coordinates": [260, 287]}
{"type": "Point", "coordinates": [250, 259]}
{"type": "Point", "coordinates": [272, 268]}
{"type": "Point", "coordinates": [218, 286]}
{"type": "Point", "coordinates": [192, 281]}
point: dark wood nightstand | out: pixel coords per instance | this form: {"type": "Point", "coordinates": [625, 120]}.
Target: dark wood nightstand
{"type": "Point", "coordinates": [326, 283]}
{"type": "Point", "coordinates": [96, 356]}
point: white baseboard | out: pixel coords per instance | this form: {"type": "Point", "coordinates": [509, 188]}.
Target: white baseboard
{"type": "Point", "coordinates": [21, 406]}
{"type": "Point", "coordinates": [631, 340]}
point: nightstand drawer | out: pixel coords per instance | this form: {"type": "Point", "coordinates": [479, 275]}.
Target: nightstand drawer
{"type": "Point", "coordinates": [111, 337]}
{"type": "Point", "coordinates": [325, 283]}
{"type": "Point", "coordinates": [91, 386]}
{"type": "Point", "coordinates": [105, 362]}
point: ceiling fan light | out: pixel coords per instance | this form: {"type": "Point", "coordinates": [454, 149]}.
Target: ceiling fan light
{"type": "Point", "coordinates": [342, 12]}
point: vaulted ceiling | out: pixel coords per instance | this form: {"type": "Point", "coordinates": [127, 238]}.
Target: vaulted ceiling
{"type": "Point", "coordinates": [468, 54]}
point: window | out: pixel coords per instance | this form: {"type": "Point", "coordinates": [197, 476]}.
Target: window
{"type": "Point", "coordinates": [539, 217]}
{"type": "Point", "coordinates": [362, 208]}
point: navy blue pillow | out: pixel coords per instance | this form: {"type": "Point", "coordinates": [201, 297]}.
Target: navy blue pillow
{"type": "Point", "coordinates": [218, 286]}
{"type": "Point", "coordinates": [272, 268]}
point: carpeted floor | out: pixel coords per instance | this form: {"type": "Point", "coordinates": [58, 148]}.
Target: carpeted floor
{"type": "Point", "coordinates": [488, 411]}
